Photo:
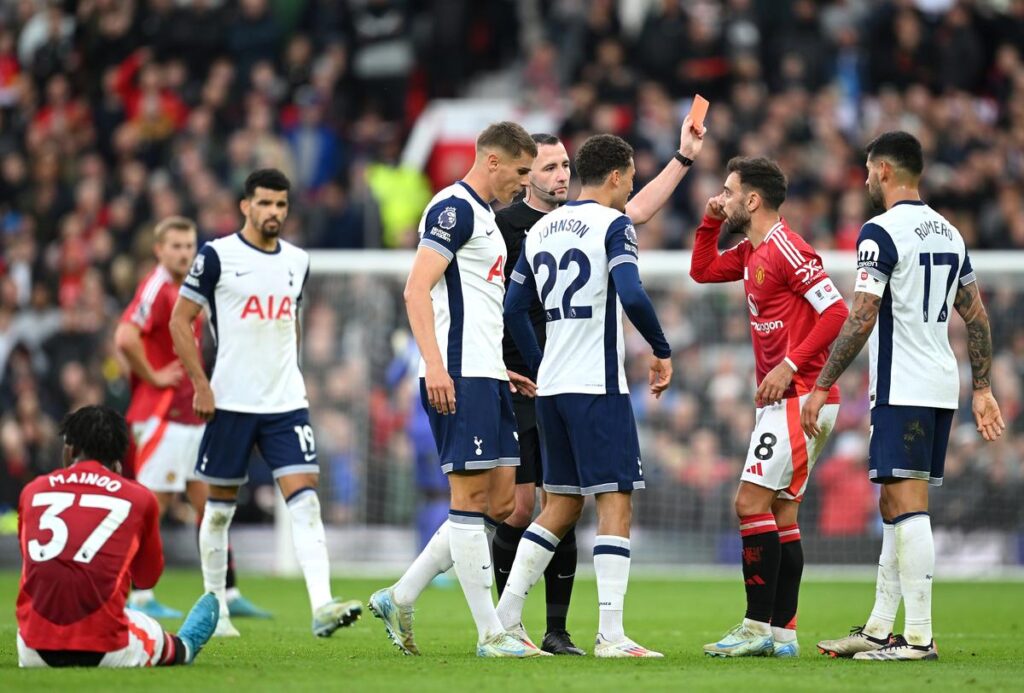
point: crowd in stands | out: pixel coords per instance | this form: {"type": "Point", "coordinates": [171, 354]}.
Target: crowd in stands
{"type": "Point", "coordinates": [116, 113]}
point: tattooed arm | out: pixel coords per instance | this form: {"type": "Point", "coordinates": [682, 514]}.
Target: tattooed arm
{"type": "Point", "coordinates": [855, 332]}
{"type": "Point", "coordinates": [979, 338]}
{"type": "Point", "coordinates": [851, 339]}
{"type": "Point", "coordinates": [979, 348]}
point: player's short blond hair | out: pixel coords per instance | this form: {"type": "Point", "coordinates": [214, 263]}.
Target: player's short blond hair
{"type": "Point", "coordinates": [510, 137]}
{"type": "Point", "coordinates": [174, 223]}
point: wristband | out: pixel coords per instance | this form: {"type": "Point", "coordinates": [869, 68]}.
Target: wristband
{"type": "Point", "coordinates": [822, 389]}
{"type": "Point", "coordinates": [684, 160]}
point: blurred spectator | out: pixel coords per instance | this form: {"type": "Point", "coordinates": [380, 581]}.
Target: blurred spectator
{"type": "Point", "coordinates": [848, 501]}
{"type": "Point", "coordinates": [114, 114]}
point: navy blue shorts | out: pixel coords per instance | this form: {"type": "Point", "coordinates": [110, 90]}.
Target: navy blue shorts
{"type": "Point", "coordinates": [481, 434]}
{"type": "Point", "coordinates": [589, 444]}
{"type": "Point", "coordinates": [285, 441]}
{"type": "Point", "coordinates": [908, 443]}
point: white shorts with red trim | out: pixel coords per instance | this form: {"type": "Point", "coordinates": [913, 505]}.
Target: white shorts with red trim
{"type": "Point", "coordinates": [780, 456]}
{"type": "Point", "coordinates": [165, 454]}
{"type": "Point", "coordinates": [145, 648]}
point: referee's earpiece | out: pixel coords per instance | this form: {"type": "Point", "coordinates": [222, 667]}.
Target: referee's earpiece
{"type": "Point", "coordinates": [537, 187]}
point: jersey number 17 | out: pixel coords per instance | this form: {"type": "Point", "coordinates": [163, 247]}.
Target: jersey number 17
{"type": "Point", "coordinates": [927, 260]}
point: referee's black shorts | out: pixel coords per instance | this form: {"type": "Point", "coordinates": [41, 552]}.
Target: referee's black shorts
{"type": "Point", "coordinates": [529, 470]}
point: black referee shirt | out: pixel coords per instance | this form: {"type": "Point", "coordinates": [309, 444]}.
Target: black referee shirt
{"type": "Point", "coordinates": [514, 221]}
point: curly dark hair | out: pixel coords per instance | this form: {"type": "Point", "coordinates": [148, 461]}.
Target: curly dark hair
{"type": "Point", "coordinates": [762, 175]}
{"type": "Point", "coordinates": [96, 433]}
{"type": "Point", "coordinates": [268, 179]}
{"type": "Point", "coordinates": [600, 155]}
{"type": "Point", "coordinates": [901, 149]}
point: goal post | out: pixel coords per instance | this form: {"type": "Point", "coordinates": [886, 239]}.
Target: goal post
{"type": "Point", "coordinates": [694, 439]}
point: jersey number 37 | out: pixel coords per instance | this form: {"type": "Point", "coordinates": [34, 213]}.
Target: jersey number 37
{"type": "Point", "coordinates": [56, 502]}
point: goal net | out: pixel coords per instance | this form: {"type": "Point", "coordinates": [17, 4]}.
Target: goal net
{"type": "Point", "coordinates": [360, 368]}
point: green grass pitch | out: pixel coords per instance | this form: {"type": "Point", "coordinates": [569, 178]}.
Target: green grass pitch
{"type": "Point", "coordinates": [980, 635]}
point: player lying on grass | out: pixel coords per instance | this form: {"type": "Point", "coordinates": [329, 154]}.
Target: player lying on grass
{"type": "Point", "coordinates": [86, 533]}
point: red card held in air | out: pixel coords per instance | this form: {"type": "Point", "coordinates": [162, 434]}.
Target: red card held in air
{"type": "Point", "coordinates": [698, 111]}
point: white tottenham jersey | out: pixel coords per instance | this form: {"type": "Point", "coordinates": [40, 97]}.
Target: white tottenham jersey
{"type": "Point", "coordinates": [571, 252]}
{"type": "Point", "coordinates": [915, 260]}
{"type": "Point", "coordinates": [468, 298]}
{"type": "Point", "coordinates": [252, 298]}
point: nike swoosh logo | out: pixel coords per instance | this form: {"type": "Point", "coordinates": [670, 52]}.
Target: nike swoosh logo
{"type": "Point", "coordinates": [565, 577]}
{"type": "Point", "coordinates": [486, 567]}
{"type": "Point", "coordinates": [489, 232]}
{"type": "Point", "coordinates": [310, 458]}
{"type": "Point", "coordinates": [504, 572]}
{"type": "Point", "coordinates": [242, 274]}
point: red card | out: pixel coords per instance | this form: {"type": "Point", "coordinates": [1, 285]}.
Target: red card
{"type": "Point", "coordinates": [698, 111]}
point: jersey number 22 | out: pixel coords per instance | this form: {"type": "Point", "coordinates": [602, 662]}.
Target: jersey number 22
{"type": "Point", "coordinates": [547, 260]}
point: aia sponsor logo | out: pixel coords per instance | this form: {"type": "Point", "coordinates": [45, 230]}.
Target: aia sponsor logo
{"type": "Point", "coordinates": [268, 308]}
{"type": "Point", "coordinates": [497, 271]}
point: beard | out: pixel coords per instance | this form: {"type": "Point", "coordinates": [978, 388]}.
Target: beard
{"type": "Point", "coordinates": [269, 231]}
{"type": "Point", "coordinates": [875, 196]}
{"type": "Point", "coordinates": [736, 225]}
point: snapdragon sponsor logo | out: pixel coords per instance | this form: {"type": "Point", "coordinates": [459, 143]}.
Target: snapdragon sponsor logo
{"type": "Point", "coordinates": [767, 327]}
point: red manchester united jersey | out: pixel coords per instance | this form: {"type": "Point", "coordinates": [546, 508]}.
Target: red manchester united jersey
{"type": "Point", "coordinates": [86, 534]}
{"type": "Point", "coordinates": [150, 310]}
{"type": "Point", "coordinates": [787, 289]}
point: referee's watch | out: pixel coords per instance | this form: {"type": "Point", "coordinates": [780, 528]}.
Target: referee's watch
{"type": "Point", "coordinates": [684, 160]}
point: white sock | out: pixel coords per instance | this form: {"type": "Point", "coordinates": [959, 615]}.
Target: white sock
{"type": "Point", "coordinates": [915, 552]}
{"type": "Point", "coordinates": [472, 557]}
{"type": "Point", "coordinates": [490, 526]}
{"type": "Point", "coordinates": [435, 559]}
{"type": "Point", "coordinates": [759, 627]}
{"type": "Point", "coordinates": [532, 558]}
{"type": "Point", "coordinates": [887, 587]}
{"type": "Point", "coordinates": [232, 593]}
{"type": "Point", "coordinates": [140, 597]}
{"type": "Point", "coordinates": [311, 546]}
{"type": "Point", "coordinates": [783, 634]}
{"type": "Point", "coordinates": [611, 564]}
{"type": "Point", "coordinates": [213, 548]}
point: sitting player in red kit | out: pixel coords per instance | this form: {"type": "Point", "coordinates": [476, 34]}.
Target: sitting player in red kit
{"type": "Point", "coordinates": [86, 533]}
